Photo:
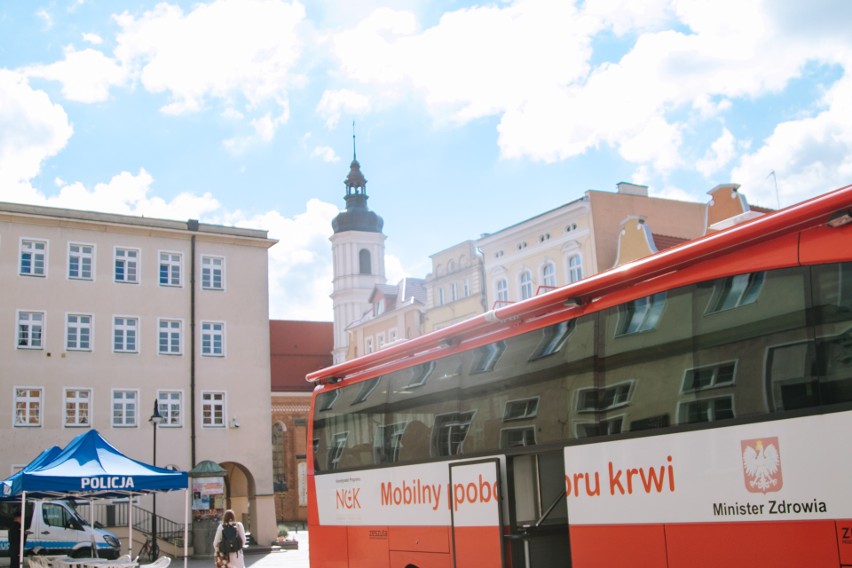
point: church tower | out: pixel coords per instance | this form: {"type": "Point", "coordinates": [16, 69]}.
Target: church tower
{"type": "Point", "coordinates": [358, 252]}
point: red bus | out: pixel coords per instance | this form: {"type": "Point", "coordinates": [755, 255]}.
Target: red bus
{"type": "Point", "coordinates": [686, 410]}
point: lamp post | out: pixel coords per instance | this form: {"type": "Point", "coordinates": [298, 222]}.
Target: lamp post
{"type": "Point", "coordinates": [155, 420]}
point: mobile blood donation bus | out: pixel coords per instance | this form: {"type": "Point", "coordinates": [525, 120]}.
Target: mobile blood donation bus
{"type": "Point", "coordinates": [689, 409]}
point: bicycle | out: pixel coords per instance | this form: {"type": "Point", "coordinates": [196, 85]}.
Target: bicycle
{"type": "Point", "coordinates": [149, 552]}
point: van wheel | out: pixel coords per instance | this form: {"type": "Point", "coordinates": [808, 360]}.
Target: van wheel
{"type": "Point", "coordinates": [82, 553]}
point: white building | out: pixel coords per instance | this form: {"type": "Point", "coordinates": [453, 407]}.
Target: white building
{"type": "Point", "coordinates": [102, 315]}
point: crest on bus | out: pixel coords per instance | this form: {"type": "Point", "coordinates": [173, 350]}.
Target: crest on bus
{"type": "Point", "coordinates": [762, 465]}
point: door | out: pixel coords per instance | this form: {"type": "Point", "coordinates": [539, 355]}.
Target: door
{"type": "Point", "coordinates": [476, 514]}
{"type": "Point", "coordinates": [538, 511]}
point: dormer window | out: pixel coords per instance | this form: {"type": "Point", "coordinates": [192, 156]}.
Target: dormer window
{"type": "Point", "coordinates": [379, 307]}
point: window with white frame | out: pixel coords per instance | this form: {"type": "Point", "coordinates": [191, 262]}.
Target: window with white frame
{"type": "Point", "coordinates": [125, 331]}
{"type": "Point", "coordinates": [642, 314]}
{"type": "Point", "coordinates": [30, 330]}
{"type": "Point", "coordinates": [517, 437]}
{"type": "Point", "coordinates": [125, 408]}
{"type": "Point", "coordinates": [526, 285]}
{"type": "Point", "coordinates": [126, 263]}
{"type": "Point", "coordinates": [213, 272]}
{"type": "Point", "coordinates": [466, 287]}
{"type": "Point", "coordinates": [449, 433]}
{"type": "Point", "coordinates": [502, 290]}
{"type": "Point", "coordinates": [606, 427]}
{"type": "Point", "coordinates": [548, 275]}
{"type": "Point", "coordinates": [170, 405]}
{"type": "Point", "coordinates": [441, 298]}
{"type": "Point", "coordinates": [392, 335]}
{"type": "Point", "coordinates": [486, 357]}
{"type": "Point", "coordinates": [33, 257]}
{"type": "Point", "coordinates": [737, 291]}
{"type": "Point", "coordinates": [711, 376]}
{"type": "Point", "coordinates": [368, 345]}
{"type": "Point", "coordinates": [212, 338]}
{"type": "Point", "coordinates": [706, 410]}
{"type": "Point", "coordinates": [520, 409]}
{"type": "Point", "coordinates": [605, 398]}
{"type": "Point", "coordinates": [170, 265]}
{"type": "Point", "coordinates": [170, 336]}
{"type": "Point", "coordinates": [213, 409]}
{"type": "Point", "coordinates": [78, 404]}
{"type": "Point", "coordinates": [78, 332]}
{"type": "Point", "coordinates": [575, 268]}
{"type": "Point", "coordinates": [380, 340]}
{"type": "Point", "coordinates": [81, 259]}
{"type": "Point", "coordinates": [28, 405]}
{"type": "Point", "coordinates": [454, 292]}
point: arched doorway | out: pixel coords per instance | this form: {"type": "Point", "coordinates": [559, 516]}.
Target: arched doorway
{"type": "Point", "coordinates": [240, 494]}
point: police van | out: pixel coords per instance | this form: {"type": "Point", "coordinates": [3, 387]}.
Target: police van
{"type": "Point", "coordinates": [55, 527]}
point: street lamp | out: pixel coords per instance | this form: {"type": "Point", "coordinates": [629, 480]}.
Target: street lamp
{"type": "Point", "coordinates": [155, 420]}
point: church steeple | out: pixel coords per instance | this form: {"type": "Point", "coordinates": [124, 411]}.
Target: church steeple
{"type": "Point", "coordinates": [358, 251]}
{"type": "Point", "coordinates": [357, 216]}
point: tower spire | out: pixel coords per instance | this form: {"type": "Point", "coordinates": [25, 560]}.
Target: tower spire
{"type": "Point", "coordinates": [354, 154]}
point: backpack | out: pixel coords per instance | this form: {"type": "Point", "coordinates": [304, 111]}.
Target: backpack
{"type": "Point", "coordinates": [231, 541]}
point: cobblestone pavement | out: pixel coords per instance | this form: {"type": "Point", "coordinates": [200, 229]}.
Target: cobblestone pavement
{"type": "Point", "coordinates": [276, 559]}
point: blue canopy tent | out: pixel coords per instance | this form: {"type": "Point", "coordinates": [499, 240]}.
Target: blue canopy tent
{"type": "Point", "coordinates": [44, 457]}
{"type": "Point", "coordinates": [90, 467]}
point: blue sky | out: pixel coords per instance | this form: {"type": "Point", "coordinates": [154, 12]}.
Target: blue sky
{"type": "Point", "coordinates": [469, 116]}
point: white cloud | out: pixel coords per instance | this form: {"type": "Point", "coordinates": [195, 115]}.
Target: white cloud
{"type": "Point", "coordinates": [809, 156]}
{"type": "Point", "coordinates": [336, 102]}
{"type": "Point", "coordinates": [86, 75]}
{"type": "Point", "coordinates": [325, 153]}
{"type": "Point", "coordinates": [34, 129]}
{"type": "Point", "coordinates": [225, 49]}
{"type": "Point", "coordinates": [93, 38]}
{"type": "Point", "coordinates": [300, 267]}
{"type": "Point", "coordinates": [720, 153]}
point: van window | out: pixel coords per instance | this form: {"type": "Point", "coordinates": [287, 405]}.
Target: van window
{"type": "Point", "coordinates": [57, 516]}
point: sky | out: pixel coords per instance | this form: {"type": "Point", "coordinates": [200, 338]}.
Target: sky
{"type": "Point", "coordinates": [468, 116]}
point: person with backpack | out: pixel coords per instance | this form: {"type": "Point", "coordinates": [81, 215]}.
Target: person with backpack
{"type": "Point", "coordinates": [228, 542]}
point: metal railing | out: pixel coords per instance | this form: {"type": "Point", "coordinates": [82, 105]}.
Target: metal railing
{"type": "Point", "coordinates": [116, 515]}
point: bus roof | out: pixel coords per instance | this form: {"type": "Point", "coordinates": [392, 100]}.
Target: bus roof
{"type": "Point", "coordinates": [833, 208]}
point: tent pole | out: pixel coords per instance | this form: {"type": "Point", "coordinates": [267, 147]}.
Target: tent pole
{"type": "Point", "coordinates": [23, 527]}
{"type": "Point", "coordinates": [186, 528]}
{"type": "Point", "coordinates": [130, 525]}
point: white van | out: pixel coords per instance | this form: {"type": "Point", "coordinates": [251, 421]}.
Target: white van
{"type": "Point", "coordinates": [56, 528]}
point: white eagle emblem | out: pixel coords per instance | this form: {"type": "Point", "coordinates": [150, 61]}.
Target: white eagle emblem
{"type": "Point", "coordinates": [762, 465]}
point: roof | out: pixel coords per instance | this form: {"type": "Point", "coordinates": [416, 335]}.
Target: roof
{"type": "Point", "coordinates": [662, 242]}
{"type": "Point", "coordinates": [297, 348]}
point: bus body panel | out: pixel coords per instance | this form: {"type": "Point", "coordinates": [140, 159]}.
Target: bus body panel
{"type": "Point", "coordinates": [420, 539]}
{"type": "Point", "coordinates": [368, 546]}
{"type": "Point", "coordinates": [745, 545]}
{"type": "Point", "coordinates": [637, 546]}
{"type": "Point", "coordinates": [825, 244]}
{"type": "Point", "coordinates": [329, 546]}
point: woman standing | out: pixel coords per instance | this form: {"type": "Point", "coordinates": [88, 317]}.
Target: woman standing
{"type": "Point", "coordinates": [228, 542]}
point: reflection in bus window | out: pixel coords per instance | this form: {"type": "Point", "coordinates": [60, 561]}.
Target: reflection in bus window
{"type": "Point", "coordinates": [642, 314]}
{"type": "Point", "coordinates": [580, 378]}
{"type": "Point", "coordinates": [449, 433]}
{"type": "Point", "coordinates": [737, 291]}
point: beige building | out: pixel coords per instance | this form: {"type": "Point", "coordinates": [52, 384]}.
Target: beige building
{"type": "Point", "coordinates": [577, 240]}
{"type": "Point", "coordinates": [103, 315]}
{"type": "Point", "coordinates": [454, 288]}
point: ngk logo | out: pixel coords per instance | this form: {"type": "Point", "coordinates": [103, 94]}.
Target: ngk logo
{"type": "Point", "coordinates": [348, 499]}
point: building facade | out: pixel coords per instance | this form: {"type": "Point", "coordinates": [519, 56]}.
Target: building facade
{"type": "Point", "coordinates": [297, 348]}
{"type": "Point", "coordinates": [108, 315]}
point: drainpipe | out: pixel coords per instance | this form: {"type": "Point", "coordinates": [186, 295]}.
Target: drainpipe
{"type": "Point", "coordinates": [192, 225]}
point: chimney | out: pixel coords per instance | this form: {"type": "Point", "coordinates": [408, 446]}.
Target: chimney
{"type": "Point", "coordinates": [632, 189]}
